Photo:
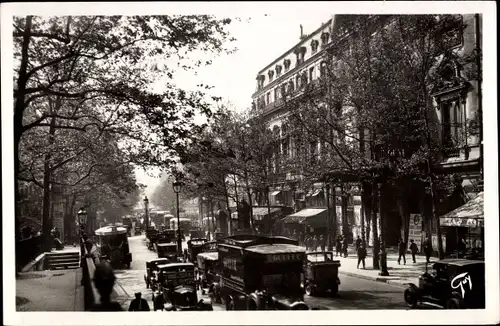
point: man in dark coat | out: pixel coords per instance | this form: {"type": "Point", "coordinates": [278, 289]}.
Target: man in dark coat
{"type": "Point", "coordinates": [338, 246]}
{"type": "Point", "coordinates": [361, 255]}
{"type": "Point", "coordinates": [413, 249]}
{"type": "Point", "coordinates": [104, 281]}
{"type": "Point", "coordinates": [428, 249]}
{"type": "Point", "coordinates": [358, 243]}
{"type": "Point", "coordinates": [402, 251]}
{"type": "Point", "coordinates": [344, 246]}
{"type": "Point", "coordinates": [138, 304]}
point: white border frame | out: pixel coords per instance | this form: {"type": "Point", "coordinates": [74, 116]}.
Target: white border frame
{"type": "Point", "coordinates": [247, 9]}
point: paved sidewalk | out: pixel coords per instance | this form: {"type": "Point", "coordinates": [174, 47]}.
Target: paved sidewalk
{"type": "Point", "coordinates": [399, 275]}
{"type": "Point", "coordinates": [56, 290]}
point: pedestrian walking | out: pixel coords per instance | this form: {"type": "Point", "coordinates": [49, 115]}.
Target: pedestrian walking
{"type": "Point", "coordinates": [427, 249]}
{"type": "Point", "coordinates": [322, 242]}
{"type": "Point", "coordinates": [413, 249]}
{"type": "Point", "coordinates": [315, 242]}
{"type": "Point", "coordinates": [344, 246]}
{"type": "Point", "coordinates": [307, 242]}
{"type": "Point", "coordinates": [358, 243]}
{"type": "Point", "coordinates": [402, 251]}
{"type": "Point", "coordinates": [104, 281]}
{"type": "Point", "coordinates": [138, 304]}
{"type": "Point", "coordinates": [361, 255]}
{"type": "Point", "coordinates": [338, 246]}
{"type": "Point", "coordinates": [158, 301]}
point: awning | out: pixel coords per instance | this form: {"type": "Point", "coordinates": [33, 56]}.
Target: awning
{"type": "Point", "coordinates": [275, 193]}
{"type": "Point", "coordinates": [307, 216]}
{"type": "Point", "coordinates": [260, 212]}
{"type": "Point", "coordinates": [471, 214]}
{"type": "Point", "coordinates": [314, 193]}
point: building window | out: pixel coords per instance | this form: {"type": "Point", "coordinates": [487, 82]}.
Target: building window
{"type": "Point", "coordinates": [298, 81]}
{"type": "Point", "coordinates": [278, 70]}
{"type": "Point", "coordinates": [312, 75]}
{"type": "Point", "coordinates": [270, 73]}
{"type": "Point", "coordinates": [300, 54]}
{"type": "Point", "coordinates": [268, 97]}
{"type": "Point", "coordinates": [291, 87]}
{"type": "Point", "coordinates": [314, 46]}
{"type": "Point", "coordinates": [287, 63]}
{"type": "Point", "coordinates": [324, 38]}
{"type": "Point", "coordinates": [452, 122]}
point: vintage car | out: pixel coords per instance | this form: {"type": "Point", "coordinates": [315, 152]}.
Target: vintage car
{"type": "Point", "coordinates": [321, 273]}
{"type": "Point", "coordinates": [178, 286]}
{"type": "Point", "coordinates": [194, 247]}
{"type": "Point", "coordinates": [208, 274]}
{"type": "Point", "coordinates": [112, 245]}
{"type": "Point", "coordinates": [152, 236]}
{"type": "Point", "coordinates": [261, 273]}
{"type": "Point", "coordinates": [151, 276]}
{"type": "Point", "coordinates": [196, 234]}
{"type": "Point", "coordinates": [167, 250]}
{"type": "Point", "coordinates": [166, 236]}
{"type": "Point", "coordinates": [451, 284]}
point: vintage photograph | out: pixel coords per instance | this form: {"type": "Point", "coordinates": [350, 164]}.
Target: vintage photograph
{"type": "Point", "coordinates": [171, 162]}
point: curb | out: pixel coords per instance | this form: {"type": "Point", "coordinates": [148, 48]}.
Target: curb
{"type": "Point", "coordinates": [376, 279]}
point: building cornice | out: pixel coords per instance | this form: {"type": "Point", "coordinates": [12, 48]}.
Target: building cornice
{"type": "Point", "coordinates": [305, 40]}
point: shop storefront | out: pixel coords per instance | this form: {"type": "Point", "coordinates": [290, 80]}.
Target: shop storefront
{"type": "Point", "coordinates": [464, 226]}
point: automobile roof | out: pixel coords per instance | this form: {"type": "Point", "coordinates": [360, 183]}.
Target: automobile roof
{"type": "Point", "coordinates": [164, 244]}
{"type": "Point", "coordinates": [247, 240]}
{"type": "Point", "coordinates": [176, 265]}
{"type": "Point", "coordinates": [158, 260]}
{"type": "Point", "coordinates": [209, 255]}
{"type": "Point", "coordinates": [277, 248]}
{"type": "Point", "coordinates": [459, 262]}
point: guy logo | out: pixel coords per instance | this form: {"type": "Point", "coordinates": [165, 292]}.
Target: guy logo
{"type": "Point", "coordinates": [460, 280]}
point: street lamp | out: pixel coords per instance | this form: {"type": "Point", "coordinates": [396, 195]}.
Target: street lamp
{"type": "Point", "coordinates": [177, 189]}
{"type": "Point", "coordinates": [146, 218]}
{"type": "Point", "coordinates": [82, 220]}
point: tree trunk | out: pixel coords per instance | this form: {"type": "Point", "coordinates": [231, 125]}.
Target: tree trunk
{"type": "Point", "coordinates": [402, 203]}
{"type": "Point", "coordinates": [46, 216]}
{"type": "Point", "coordinates": [19, 106]}
{"type": "Point", "coordinates": [229, 222]}
{"type": "Point", "coordinates": [365, 200]}
{"type": "Point", "coordinates": [376, 245]}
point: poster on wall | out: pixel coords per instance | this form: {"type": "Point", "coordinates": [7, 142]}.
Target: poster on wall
{"type": "Point", "coordinates": [415, 230]}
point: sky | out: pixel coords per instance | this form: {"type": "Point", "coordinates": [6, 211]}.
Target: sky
{"type": "Point", "coordinates": [261, 36]}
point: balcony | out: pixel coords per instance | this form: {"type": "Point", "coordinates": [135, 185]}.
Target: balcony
{"type": "Point", "coordinates": [278, 104]}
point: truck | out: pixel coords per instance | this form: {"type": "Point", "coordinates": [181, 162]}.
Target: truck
{"type": "Point", "coordinates": [261, 273]}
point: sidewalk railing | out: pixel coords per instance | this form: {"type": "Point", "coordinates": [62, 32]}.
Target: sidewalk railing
{"type": "Point", "coordinates": [91, 294]}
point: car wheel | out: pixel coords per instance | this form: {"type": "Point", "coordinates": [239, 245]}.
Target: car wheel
{"type": "Point", "coordinates": [310, 290]}
{"type": "Point", "coordinates": [453, 303]}
{"type": "Point", "coordinates": [411, 298]}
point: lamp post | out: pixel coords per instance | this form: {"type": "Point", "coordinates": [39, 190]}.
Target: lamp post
{"type": "Point", "coordinates": [146, 217]}
{"type": "Point", "coordinates": [177, 189]}
{"type": "Point", "coordinates": [82, 220]}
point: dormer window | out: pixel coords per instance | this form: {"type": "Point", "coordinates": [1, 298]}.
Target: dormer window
{"type": "Point", "coordinates": [324, 38]}
{"type": "Point", "coordinates": [270, 73]}
{"type": "Point", "coordinates": [278, 70]}
{"type": "Point", "coordinates": [300, 53]}
{"type": "Point", "coordinates": [287, 63]}
{"type": "Point", "coordinates": [314, 46]}
{"type": "Point", "coordinates": [260, 81]}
